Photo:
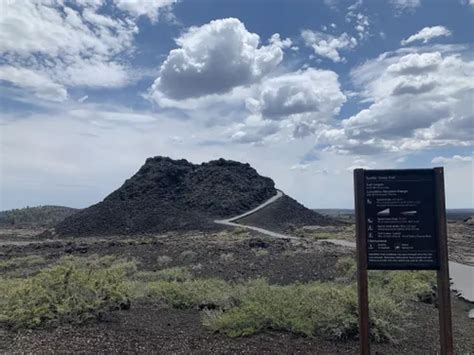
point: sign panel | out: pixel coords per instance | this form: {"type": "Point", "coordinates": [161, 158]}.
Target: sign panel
{"type": "Point", "coordinates": [401, 224]}
{"type": "Point", "coordinates": [400, 219]}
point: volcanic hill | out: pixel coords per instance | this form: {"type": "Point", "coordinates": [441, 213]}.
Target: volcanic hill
{"type": "Point", "coordinates": [171, 195]}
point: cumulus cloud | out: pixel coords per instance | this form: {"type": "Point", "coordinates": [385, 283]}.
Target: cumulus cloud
{"type": "Point", "coordinates": [453, 159]}
{"type": "Point", "coordinates": [307, 91]}
{"type": "Point", "coordinates": [426, 34]}
{"type": "Point", "coordinates": [295, 102]}
{"type": "Point", "coordinates": [85, 44]}
{"type": "Point", "coordinates": [214, 59]}
{"type": "Point", "coordinates": [327, 45]}
{"type": "Point", "coordinates": [416, 101]}
{"type": "Point", "coordinates": [253, 130]}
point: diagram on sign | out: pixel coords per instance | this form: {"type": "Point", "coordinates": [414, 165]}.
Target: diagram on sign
{"type": "Point", "coordinates": [385, 212]}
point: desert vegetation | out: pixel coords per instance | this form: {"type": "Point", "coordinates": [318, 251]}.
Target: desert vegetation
{"type": "Point", "coordinates": [73, 290]}
{"type": "Point", "coordinates": [80, 289]}
{"type": "Point", "coordinates": [327, 309]}
{"type": "Point", "coordinates": [345, 232]}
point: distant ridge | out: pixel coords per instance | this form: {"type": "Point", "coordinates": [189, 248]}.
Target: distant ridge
{"type": "Point", "coordinates": [33, 217]}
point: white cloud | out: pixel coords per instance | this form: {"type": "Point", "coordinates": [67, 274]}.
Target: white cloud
{"type": "Point", "coordinates": [37, 83]}
{"type": "Point", "coordinates": [300, 167]}
{"type": "Point", "coordinates": [331, 3]}
{"type": "Point", "coordinates": [359, 19]}
{"type": "Point", "coordinates": [94, 73]}
{"type": "Point", "coordinates": [426, 34]}
{"type": "Point", "coordinates": [62, 45]}
{"type": "Point", "coordinates": [214, 59]}
{"type": "Point", "coordinates": [64, 31]}
{"type": "Point", "coordinates": [360, 163]}
{"type": "Point", "coordinates": [416, 101]}
{"type": "Point", "coordinates": [150, 8]}
{"type": "Point", "coordinates": [39, 170]}
{"type": "Point", "coordinates": [405, 5]}
{"type": "Point", "coordinates": [307, 91]}
{"type": "Point", "coordinates": [254, 130]}
{"type": "Point", "coordinates": [453, 159]}
{"type": "Point", "coordinates": [289, 106]}
{"type": "Point", "coordinates": [328, 46]}
{"type": "Point", "coordinates": [297, 101]}
{"type": "Point", "coordinates": [280, 106]}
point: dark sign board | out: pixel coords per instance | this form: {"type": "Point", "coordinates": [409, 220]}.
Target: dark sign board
{"type": "Point", "coordinates": [401, 224]}
{"type": "Point", "coordinates": [400, 219]}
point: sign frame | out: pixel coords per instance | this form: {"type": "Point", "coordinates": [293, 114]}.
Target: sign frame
{"type": "Point", "coordinates": [403, 179]}
{"type": "Point", "coordinates": [442, 267]}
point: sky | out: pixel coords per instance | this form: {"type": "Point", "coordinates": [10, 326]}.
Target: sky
{"type": "Point", "coordinates": [303, 90]}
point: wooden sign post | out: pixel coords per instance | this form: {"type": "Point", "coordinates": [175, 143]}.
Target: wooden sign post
{"type": "Point", "coordinates": [401, 225]}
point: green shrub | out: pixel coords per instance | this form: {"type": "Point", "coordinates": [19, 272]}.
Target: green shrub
{"type": "Point", "coordinates": [241, 231]}
{"type": "Point", "coordinates": [401, 285]}
{"type": "Point", "coordinates": [346, 267]}
{"type": "Point", "coordinates": [405, 285]}
{"type": "Point", "coordinates": [72, 291]}
{"type": "Point", "coordinates": [325, 232]}
{"type": "Point", "coordinates": [164, 260]}
{"type": "Point", "coordinates": [188, 256]}
{"type": "Point", "coordinates": [388, 316]}
{"type": "Point", "coordinates": [261, 252]}
{"type": "Point", "coordinates": [22, 262]}
{"type": "Point", "coordinates": [177, 273]}
{"type": "Point", "coordinates": [324, 309]}
{"type": "Point", "coordinates": [203, 293]}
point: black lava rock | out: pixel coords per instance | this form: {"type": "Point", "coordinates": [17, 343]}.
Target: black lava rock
{"type": "Point", "coordinates": [167, 194]}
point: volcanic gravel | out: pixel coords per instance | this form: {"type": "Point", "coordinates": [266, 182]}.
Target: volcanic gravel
{"type": "Point", "coordinates": [149, 327]}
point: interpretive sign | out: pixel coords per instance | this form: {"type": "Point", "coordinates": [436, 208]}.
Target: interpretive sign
{"type": "Point", "coordinates": [401, 219]}
{"type": "Point", "coordinates": [401, 224]}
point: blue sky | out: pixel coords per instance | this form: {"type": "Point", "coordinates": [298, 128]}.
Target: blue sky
{"type": "Point", "coordinates": [305, 91]}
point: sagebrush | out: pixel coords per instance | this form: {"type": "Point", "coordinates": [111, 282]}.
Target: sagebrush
{"type": "Point", "coordinates": [73, 290]}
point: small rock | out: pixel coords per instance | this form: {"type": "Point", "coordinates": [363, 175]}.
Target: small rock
{"type": "Point", "coordinates": [258, 243]}
{"type": "Point", "coordinates": [471, 314]}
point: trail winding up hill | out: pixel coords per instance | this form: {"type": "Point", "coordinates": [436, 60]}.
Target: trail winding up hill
{"type": "Point", "coordinates": [169, 195]}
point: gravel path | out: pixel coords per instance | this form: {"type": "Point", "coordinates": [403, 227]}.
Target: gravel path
{"type": "Point", "coordinates": [230, 221]}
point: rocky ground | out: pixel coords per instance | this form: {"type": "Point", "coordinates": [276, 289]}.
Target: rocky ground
{"type": "Point", "coordinates": [461, 242]}
{"type": "Point", "coordinates": [152, 328]}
